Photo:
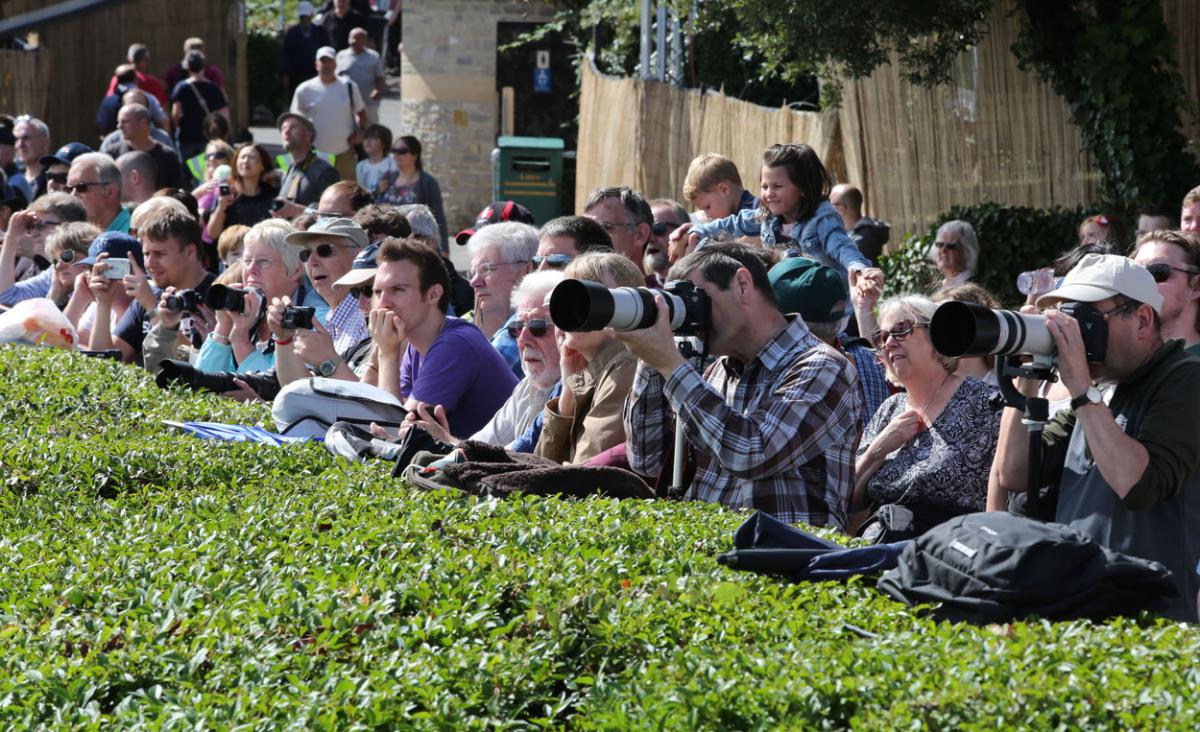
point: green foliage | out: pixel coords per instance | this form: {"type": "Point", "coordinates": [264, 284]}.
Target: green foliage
{"type": "Point", "coordinates": [1113, 62]}
{"type": "Point", "coordinates": [1012, 239]}
{"type": "Point", "coordinates": [243, 587]}
{"type": "Point", "coordinates": [263, 50]}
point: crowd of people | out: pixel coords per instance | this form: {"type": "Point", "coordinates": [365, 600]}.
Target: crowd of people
{"type": "Point", "coordinates": [816, 399]}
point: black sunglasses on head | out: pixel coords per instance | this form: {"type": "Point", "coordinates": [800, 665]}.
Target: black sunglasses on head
{"type": "Point", "coordinates": [538, 327]}
{"type": "Point", "coordinates": [323, 250]}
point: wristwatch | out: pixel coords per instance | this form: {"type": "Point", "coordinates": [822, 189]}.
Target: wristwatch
{"type": "Point", "coordinates": [326, 368]}
{"type": "Point", "coordinates": [1091, 396]}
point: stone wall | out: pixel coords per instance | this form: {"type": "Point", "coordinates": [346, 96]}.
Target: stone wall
{"type": "Point", "coordinates": [448, 94]}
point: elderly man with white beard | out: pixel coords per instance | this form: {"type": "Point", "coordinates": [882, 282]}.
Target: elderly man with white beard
{"type": "Point", "coordinates": [538, 343]}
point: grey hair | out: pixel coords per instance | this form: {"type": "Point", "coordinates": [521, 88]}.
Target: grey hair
{"type": "Point", "coordinates": [106, 168]}
{"type": "Point", "coordinates": [272, 232]}
{"type": "Point", "coordinates": [966, 237]}
{"type": "Point", "coordinates": [517, 242]}
{"type": "Point", "coordinates": [918, 309]}
{"type": "Point", "coordinates": [535, 286]}
{"type": "Point", "coordinates": [421, 219]}
{"type": "Point", "coordinates": [42, 128]}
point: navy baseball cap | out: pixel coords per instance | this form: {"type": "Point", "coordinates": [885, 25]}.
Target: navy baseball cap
{"type": "Point", "coordinates": [65, 154]}
{"type": "Point", "coordinates": [363, 269]}
{"type": "Point", "coordinates": [116, 245]}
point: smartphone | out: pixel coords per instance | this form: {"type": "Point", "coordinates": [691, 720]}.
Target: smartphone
{"type": "Point", "coordinates": [277, 204]}
{"type": "Point", "coordinates": [117, 268]}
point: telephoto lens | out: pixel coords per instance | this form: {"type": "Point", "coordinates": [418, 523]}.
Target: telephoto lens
{"type": "Point", "coordinates": [583, 305]}
{"type": "Point", "coordinates": [969, 329]}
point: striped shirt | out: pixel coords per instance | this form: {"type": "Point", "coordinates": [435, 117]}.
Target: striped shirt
{"type": "Point", "coordinates": [778, 434]}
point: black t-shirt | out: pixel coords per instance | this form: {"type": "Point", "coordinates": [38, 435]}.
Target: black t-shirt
{"type": "Point", "coordinates": [339, 28]}
{"type": "Point", "coordinates": [170, 170]}
{"type": "Point", "coordinates": [135, 323]}
{"type": "Point", "coordinates": [188, 94]}
{"type": "Point", "coordinates": [249, 210]}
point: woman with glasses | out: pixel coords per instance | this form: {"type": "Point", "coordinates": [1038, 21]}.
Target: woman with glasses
{"type": "Point", "coordinates": [929, 448]}
{"type": "Point", "coordinates": [411, 184]}
{"type": "Point", "coordinates": [597, 372]}
{"type": "Point", "coordinates": [956, 252]}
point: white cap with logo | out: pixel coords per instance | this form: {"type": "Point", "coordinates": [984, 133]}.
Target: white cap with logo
{"type": "Point", "coordinates": [1101, 276]}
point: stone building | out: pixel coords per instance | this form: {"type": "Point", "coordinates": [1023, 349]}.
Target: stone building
{"type": "Point", "coordinates": [449, 93]}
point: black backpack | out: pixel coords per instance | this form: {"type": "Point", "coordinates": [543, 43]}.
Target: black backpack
{"type": "Point", "coordinates": [996, 567]}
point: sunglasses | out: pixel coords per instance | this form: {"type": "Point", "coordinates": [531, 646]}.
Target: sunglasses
{"type": "Point", "coordinates": [361, 292]}
{"type": "Point", "coordinates": [42, 225]}
{"type": "Point", "coordinates": [68, 256]}
{"type": "Point", "coordinates": [80, 187]}
{"type": "Point", "coordinates": [900, 332]}
{"type": "Point", "coordinates": [324, 251]}
{"type": "Point", "coordinates": [400, 151]}
{"type": "Point", "coordinates": [59, 178]}
{"type": "Point", "coordinates": [1161, 271]}
{"type": "Point", "coordinates": [951, 245]}
{"type": "Point", "coordinates": [216, 156]}
{"type": "Point", "coordinates": [538, 327]}
{"type": "Point", "coordinates": [663, 228]}
{"type": "Point", "coordinates": [554, 261]}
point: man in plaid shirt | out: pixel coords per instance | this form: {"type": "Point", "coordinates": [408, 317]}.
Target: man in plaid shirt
{"type": "Point", "coordinates": [773, 423]}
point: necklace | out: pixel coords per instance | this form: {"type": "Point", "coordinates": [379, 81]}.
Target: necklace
{"type": "Point", "coordinates": [923, 409]}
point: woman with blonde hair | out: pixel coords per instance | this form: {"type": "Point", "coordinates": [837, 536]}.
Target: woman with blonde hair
{"type": "Point", "coordinates": [597, 374]}
{"type": "Point", "coordinates": [930, 447]}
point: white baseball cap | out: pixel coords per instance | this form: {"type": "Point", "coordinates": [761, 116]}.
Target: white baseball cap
{"type": "Point", "coordinates": [1101, 276]}
{"type": "Point", "coordinates": [326, 52]}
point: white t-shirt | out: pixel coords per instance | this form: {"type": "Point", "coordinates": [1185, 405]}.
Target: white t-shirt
{"type": "Point", "coordinates": [369, 174]}
{"type": "Point", "coordinates": [87, 321]}
{"type": "Point", "coordinates": [330, 110]}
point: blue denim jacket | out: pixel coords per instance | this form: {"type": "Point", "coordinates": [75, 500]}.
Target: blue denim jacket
{"type": "Point", "coordinates": [822, 236]}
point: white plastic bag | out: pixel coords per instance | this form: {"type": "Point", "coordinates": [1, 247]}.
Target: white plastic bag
{"type": "Point", "coordinates": [37, 322]}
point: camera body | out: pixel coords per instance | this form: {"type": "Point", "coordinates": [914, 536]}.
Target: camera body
{"type": "Point", "coordinates": [968, 329]}
{"type": "Point", "coordinates": [223, 189]}
{"type": "Point", "coordinates": [223, 297]}
{"type": "Point", "coordinates": [582, 305]}
{"type": "Point", "coordinates": [184, 301]}
{"type": "Point", "coordinates": [298, 318]}
{"type": "Point", "coordinates": [118, 267]}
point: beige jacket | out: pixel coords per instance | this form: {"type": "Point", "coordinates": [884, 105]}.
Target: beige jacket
{"type": "Point", "coordinates": [600, 393]}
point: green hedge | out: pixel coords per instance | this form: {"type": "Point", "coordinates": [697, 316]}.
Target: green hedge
{"type": "Point", "coordinates": [1012, 239]}
{"type": "Point", "coordinates": [156, 581]}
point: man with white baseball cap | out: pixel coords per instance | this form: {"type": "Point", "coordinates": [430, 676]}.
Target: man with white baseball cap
{"type": "Point", "coordinates": [1126, 461]}
{"type": "Point", "coordinates": [335, 106]}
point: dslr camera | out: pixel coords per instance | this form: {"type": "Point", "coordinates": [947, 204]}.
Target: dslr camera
{"type": "Point", "coordinates": [583, 305]}
{"type": "Point", "coordinates": [968, 329]}
{"type": "Point", "coordinates": [298, 318]}
{"type": "Point", "coordinates": [223, 297]}
{"type": "Point", "coordinates": [184, 301]}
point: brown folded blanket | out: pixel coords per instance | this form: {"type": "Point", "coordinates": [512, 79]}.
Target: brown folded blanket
{"type": "Point", "coordinates": [493, 471]}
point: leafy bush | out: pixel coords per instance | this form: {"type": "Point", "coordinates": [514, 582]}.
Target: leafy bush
{"type": "Point", "coordinates": [1012, 239]}
{"type": "Point", "coordinates": [150, 579]}
{"type": "Point", "coordinates": [263, 50]}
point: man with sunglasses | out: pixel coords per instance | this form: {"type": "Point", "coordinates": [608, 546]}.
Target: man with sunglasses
{"type": "Point", "coordinates": [26, 239]}
{"type": "Point", "coordinates": [95, 180]}
{"type": "Point", "coordinates": [1125, 462]}
{"type": "Point", "coordinates": [1173, 259]}
{"type": "Point", "coordinates": [562, 239]}
{"type": "Point", "coordinates": [668, 216]}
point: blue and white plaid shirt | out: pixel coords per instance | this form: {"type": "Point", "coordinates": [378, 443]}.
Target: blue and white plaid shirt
{"type": "Point", "coordinates": [346, 325]}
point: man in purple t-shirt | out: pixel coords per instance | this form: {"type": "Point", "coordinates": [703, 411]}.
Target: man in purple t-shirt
{"type": "Point", "coordinates": [424, 355]}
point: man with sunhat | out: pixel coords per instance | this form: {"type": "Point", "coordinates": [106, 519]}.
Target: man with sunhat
{"type": "Point", "coordinates": [817, 293]}
{"type": "Point", "coordinates": [1124, 459]}
{"type": "Point", "coordinates": [308, 176]}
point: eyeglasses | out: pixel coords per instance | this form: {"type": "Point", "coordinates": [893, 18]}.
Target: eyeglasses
{"type": "Point", "coordinates": [901, 331]}
{"type": "Point", "coordinates": [324, 251]}
{"type": "Point", "coordinates": [261, 263]}
{"type": "Point", "coordinates": [538, 327]}
{"type": "Point", "coordinates": [663, 228]}
{"type": "Point", "coordinates": [610, 228]}
{"type": "Point", "coordinates": [1161, 271]}
{"type": "Point", "coordinates": [59, 178]}
{"type": "Point", "coordinates": [553, 261]}
{"type": "Point", "coordinates": [361, 292]}
{"type": "Point", "coordinates": [400, 150]}
{"type": "Point", "coordinates": [487, 269]}
{"type": "Point", "coordinates": [323, 214]}
{"type": "Point", "coordinates": [951, 245]}
{"type": "Point", "coordinates": [81, 187]}
{"type": "Point", "coordinates": [43, 224]}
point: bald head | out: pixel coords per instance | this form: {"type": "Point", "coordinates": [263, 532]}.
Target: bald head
{"type": "Point", "coordinates": [848, 201]}
{"type": "Point", "coordinates": [134, 123]}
